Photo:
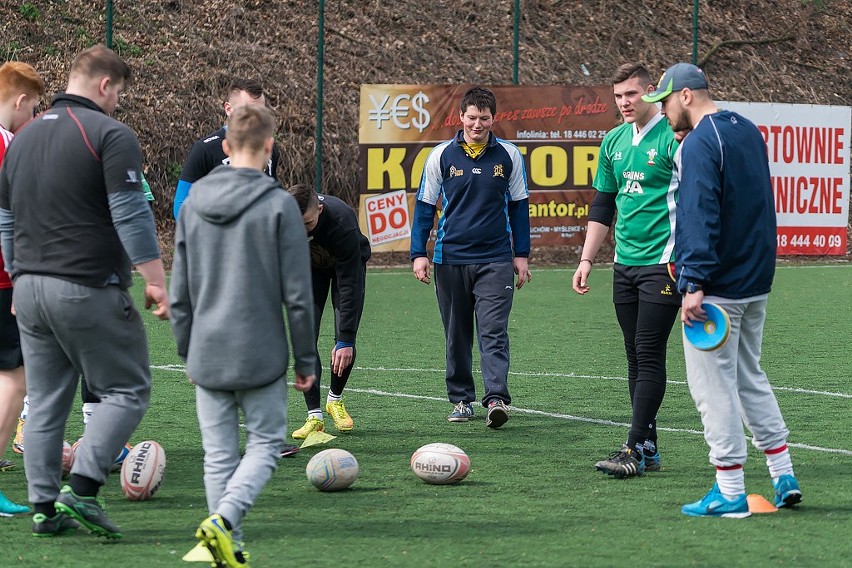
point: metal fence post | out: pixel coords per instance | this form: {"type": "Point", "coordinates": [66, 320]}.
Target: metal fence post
{"type": "Point", "coordinates": [109, 24]}
{"type": "Point", "coordinates": [320, 57]}
{"type": "Point", "coordinates": [695, 33]}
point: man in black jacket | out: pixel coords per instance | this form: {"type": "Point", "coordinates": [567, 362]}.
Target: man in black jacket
{"type": "Point", "coordinates": [339, 255]}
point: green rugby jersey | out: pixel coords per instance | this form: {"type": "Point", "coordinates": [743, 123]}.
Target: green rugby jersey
{"type": "Point", "coordinates": [639, 169]}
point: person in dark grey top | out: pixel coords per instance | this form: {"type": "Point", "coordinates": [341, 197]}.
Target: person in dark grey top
{"type": "Point", "coordinates": [73, 220]}
{"type": "Point", "coordinates": [240, 253]}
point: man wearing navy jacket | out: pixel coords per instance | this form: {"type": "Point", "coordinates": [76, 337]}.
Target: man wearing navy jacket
{"type": "Point", "coordinates": [483, 239]}
{"type": "Point", "coordinates": [725, 250]}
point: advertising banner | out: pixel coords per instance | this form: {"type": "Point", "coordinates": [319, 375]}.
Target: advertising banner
{"type": "Point", "coordinates": [808, 148]}
{"type": "Point", "coordinates": [558, 130]}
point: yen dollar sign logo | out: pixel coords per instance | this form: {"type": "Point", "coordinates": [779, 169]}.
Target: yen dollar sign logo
{"type": "Point", "coordinates": [405, 111]}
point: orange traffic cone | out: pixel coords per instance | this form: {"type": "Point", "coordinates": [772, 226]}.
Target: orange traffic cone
{"type": "Point", "coordinates": [759, 504]}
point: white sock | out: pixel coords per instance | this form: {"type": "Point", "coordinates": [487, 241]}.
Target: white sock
{"type": "Point", "coordinates": [333, 397]}
{"type": "Point", "coordinates": [731, 482]}
{"type": "Point", "coordinates": [26, 409]}
{"type": "Point", "coordinates": [779, 462]}
{"type": "Point", "coordinates": [88, 408]}
{"type": "Point", "coordinates": [315, 414]}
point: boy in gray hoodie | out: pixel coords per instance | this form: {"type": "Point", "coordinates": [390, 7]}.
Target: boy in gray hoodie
{"type": "Point", "coordinates": [240, 253]}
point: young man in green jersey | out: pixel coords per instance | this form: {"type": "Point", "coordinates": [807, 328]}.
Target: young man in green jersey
{"type": "Point", "coordinates": [635, 178]}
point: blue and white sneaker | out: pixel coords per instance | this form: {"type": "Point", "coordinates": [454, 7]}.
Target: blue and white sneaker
{"type": "Point", "coordinates": [462, 412]}
{"type": "Point", "coordinates": [787, 492]}
{"type": "Point", "coordinates": [9, 508]}
{"type": "Point", "coordinates": [653, 460]}
{"type": "Point", "coordinates": [714, 504]}
{"type": "Point", "coordinates": [119, 460]}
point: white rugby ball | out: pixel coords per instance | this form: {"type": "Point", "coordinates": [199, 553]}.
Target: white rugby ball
{"type": "Point", "coordinates": [440, 464]}
{"type": "Point", "coordinates": [332, 470]}
{"type": "Point", "coordinates": [67, 458]}
{"type": "Point", "coordinates": [143, 470]}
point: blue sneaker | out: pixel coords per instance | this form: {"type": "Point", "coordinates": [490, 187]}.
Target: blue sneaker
{"type": "Point", "coordinates": [9, 508]}
{"type": "Point", "coordinates": [119, 460]}
{"type": "Point", "coordinates": [714, 504]}
{"type": "Point", "coordinates": [626, 462]}
{"type": "Point", "coordinates": [462, 412]}
{"type": "Point", "coordinates": [787, 492]}
{"type": "Point", "coordinates": [653, 461]}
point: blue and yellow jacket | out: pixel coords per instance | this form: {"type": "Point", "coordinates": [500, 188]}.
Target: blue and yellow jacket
{"type": "Point", "coordinates": [484, 204]}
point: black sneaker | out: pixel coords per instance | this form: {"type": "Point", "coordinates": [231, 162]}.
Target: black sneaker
{"type": "Point", "coordinates": [89, 511]}
{"type": "Point", "coordinates": [626, 462]}
{"type": "Point", "coordinates": [60, 523]}
{"type": "Point", "coordinates": [498, 414]}
{"type": "Point", "coordinates": [289, 450]}
{"type": "Point", "coordinates": [7, 465]}
{"type": "Point", "coordinates": [653, 461]}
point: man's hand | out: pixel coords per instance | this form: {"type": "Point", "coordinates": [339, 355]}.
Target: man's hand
{"type": "Point", "coordinates": [522, 269]}
{"type": "Point", "coordinates": [340, 359]}
{"type": "Point", "coordinates": [156, 295]}
{"type": "Point", "coordinates": [304, 382]}
{"type": "Point", "coordinates": [421, 269]}
{"type": "Point", "coordinates": [691, 309]}
{"type": "Point", "coordinates": [580, 282]}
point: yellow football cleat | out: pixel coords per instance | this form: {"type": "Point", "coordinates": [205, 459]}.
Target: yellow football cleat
{"type": "Point", "coordinates": [18, 444]}
{"type": "Point", "coordinates": [226, 552]}
{"type": "Point", "coordinates": [311, 425]}
{"type": "Point", "coordinates": [342, 420]}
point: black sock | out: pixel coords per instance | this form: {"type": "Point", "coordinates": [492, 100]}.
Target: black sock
{"type": "Point", "coordinates": [84, 486]}
{"type": "Point", "coordinates": [45, 508]}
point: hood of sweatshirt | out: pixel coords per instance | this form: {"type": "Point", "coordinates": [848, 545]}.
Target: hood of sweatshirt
{"type": "Point", "coordinates": [222, 195]}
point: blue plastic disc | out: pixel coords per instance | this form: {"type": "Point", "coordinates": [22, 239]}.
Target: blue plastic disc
{"type": "Point", "coordinates": [711, 334]}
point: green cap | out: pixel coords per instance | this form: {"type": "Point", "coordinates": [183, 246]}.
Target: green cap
{"type": "Point", "coordinates": [678, 76]}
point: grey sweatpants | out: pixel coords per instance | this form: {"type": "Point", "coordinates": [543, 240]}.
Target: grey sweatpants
{"type": "Point", "coordinates": [729, 388]}
{"type": "Point", "coordinates": [232, 484]}
{"type": "Point", "coordinates": [485, 291]}
{"type": "Point", "coordinates": [68, 330]}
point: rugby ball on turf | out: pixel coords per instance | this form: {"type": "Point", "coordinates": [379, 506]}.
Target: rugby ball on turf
{"type": "Point", "coordinates": [332, 470]}
{"type": "Point", "coordinates": [143, 470]}
{"type": "Point", "coordinates": [67, 458]}
{"type": "Point", "coordinates": [440, 464]}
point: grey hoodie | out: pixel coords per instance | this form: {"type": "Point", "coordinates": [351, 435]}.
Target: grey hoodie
{"type": "Point", "coordinates": [241, 252]}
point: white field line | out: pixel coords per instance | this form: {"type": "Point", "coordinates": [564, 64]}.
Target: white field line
{"type": "Point", "coordinates": [376, 392]}
{"type": "Point", "coordinates": [600, 377]}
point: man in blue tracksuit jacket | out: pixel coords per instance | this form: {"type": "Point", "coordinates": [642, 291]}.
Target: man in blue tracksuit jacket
{"type": "Point", "coordinates": [725, 250]}
{"type": "Point", "coordinates": [483, 238]}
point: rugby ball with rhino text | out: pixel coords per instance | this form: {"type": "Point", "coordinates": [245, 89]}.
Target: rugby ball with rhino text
{"type": "Point", "coordinates": [440, 464]}
{"type": "Point", "coordinates": [143, 470]}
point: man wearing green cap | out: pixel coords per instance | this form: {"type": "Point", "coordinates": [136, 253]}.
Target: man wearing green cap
{"type": "Point", "coordinates": [725, 249]}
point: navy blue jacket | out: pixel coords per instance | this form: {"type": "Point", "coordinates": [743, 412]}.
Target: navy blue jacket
{"type": "Point", "coordinates": [726, 235]}
{"type": "Point", "coordinates": [484, 204]}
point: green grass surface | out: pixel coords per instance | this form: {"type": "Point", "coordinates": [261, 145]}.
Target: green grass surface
{"type": "Point", "coordinates": [532, 497]}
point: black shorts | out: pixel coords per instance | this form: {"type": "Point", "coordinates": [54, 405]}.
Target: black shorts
{"type": "Point", "coordinates": [631, 284]}
{"type": "Point", "coordinates": [10, 340]}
